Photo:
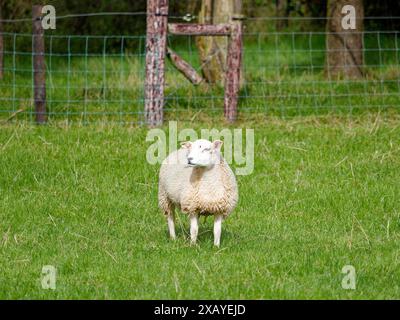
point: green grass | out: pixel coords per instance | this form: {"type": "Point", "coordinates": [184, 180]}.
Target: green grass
{"type": "Point", "coordinates": [324, 194]}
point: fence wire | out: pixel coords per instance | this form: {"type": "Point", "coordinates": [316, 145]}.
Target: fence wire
{"type": "Point", "coordinates": [101, 78]}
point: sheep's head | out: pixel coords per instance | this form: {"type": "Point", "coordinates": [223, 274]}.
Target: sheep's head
{"type": "Point", "coordinates": [203, 153]}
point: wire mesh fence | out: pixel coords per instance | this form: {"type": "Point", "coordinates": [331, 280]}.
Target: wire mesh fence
{"type": "Point", "coordinates": [101, 78]}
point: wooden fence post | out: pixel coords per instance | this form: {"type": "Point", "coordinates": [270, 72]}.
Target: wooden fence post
{"type": "Point", "coordinates": [184, 68]}
{"type": "Point", "coordinates": [39, 68]}
{"type": "Point", "coordinates": [232, 78]}
{"type": "Point", "coordinates": [156, 38]}
{"type": "Point", "coordinates": [1, 44]}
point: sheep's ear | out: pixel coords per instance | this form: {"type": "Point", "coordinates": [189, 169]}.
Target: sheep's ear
{"type": "Point", "coordinates": [217, 144]}
{"type": "Point", "coordinates": [186, 145]}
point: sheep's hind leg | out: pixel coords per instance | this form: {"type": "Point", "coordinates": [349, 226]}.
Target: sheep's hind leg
{"type": "Point", "coordinates": [168, 208]}
{"type": "Point", "coordinates": [194, 227]}
{"type": "Point", "coordinates": [217, 229]}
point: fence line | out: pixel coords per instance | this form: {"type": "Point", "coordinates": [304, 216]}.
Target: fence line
{"type": "Point", "coordinates": [79, 15]}
{"type": "Point", "coordinates": [94, 78]}
{"type": "Point", "coordinates": [188, 17]}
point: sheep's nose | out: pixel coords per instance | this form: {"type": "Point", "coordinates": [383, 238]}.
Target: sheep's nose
{"type": "Point", "coordinates": [190, 159]}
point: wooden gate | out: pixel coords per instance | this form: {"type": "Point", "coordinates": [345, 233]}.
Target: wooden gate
{"type": "Point", "coordinates": [156, 50]}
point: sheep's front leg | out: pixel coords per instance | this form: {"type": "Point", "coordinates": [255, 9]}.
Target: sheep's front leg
{"type": "Point", "coordinates": [171, 226]}
{"type": "Point", "coordinates": [217, 229]}
{"type": "Point", "coordinates": [194, 227]}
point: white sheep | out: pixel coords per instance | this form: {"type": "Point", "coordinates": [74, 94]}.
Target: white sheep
{"type": "Point", "coordinates": [197, 179]}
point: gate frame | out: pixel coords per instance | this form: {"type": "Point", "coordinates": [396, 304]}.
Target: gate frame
{"type": "Point", "coordinates": [156, 39]}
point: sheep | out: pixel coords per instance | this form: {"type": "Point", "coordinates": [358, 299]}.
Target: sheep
{"type": "Point", "coordinates": [198, 180]}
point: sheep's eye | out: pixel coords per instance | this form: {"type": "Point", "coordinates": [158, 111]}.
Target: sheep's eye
{"type": "Point", "coordinates": [206, 149]}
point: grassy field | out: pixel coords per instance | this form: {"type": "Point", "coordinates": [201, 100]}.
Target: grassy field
{"type": "Point", "coordinates": [324, 194]}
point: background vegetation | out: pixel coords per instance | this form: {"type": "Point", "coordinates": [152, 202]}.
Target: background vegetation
{"type": "Point", "coordinates": [136, 25]}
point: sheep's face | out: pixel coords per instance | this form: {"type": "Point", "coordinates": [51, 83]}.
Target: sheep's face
{"type": "Point", "coordinates": [202, 153]}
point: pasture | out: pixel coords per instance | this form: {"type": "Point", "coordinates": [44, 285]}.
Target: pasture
{"type": "Point", "coordinates": [324, 194]}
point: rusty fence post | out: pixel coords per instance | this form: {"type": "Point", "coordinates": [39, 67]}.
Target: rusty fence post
{"type": "Point", "coordinates": [39, 68]}
{"type": "Point", "coordinates": [156, 38]}
{"type": "Point", "coordinates": [233, 70]}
